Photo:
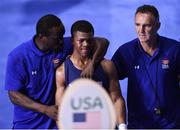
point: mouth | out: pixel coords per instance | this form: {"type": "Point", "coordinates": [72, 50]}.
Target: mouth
{"type": "Point", "coordinates": [85, 50]}
{"type": "Point", "coordinates": [142, 36]}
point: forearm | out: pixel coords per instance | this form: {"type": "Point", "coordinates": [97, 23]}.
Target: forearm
{"type": "Point", "coordinates": [120, 110]}
{"type": "Point", "coordinates": [60, 89]}
{"type": "Point", "coordinates": [24, 101]}
{"type": "Point", "coordinates": [99, 50]}
{"type": "Point", "coordinates": [59, 95]}
{"type": "Point", "coordinates": [101, 46]}
{"type": "Point", "coordinates": [58, 98]}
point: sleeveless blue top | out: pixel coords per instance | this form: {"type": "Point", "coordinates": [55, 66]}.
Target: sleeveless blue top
{"type": "Point", "coordinates": [72, 73]}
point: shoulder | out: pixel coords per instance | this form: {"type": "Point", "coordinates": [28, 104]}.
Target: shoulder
{"type": "Point", "coordinates": [128, 47]}
{"type": "Point", "coordinates": [68, 47]}
{"type": "Point", "coordinates": [21, 50]}
{"type": "Point", "coordinates": [169, 44]}
{"type": "Point", "coordinates": [168, 41]}
{"type": "Point", "coordinates": [60, 75]}
{"type": "Point", "coordinates": [60, 69]}
{"type": "Point", "coordinates": [67, 41]}
{"type": "Point", "coordinates": [126, 51]}
{"type": "Point", "coordinates": [129, 44]}
{"type": "Point", "coordinates": [162, 38]}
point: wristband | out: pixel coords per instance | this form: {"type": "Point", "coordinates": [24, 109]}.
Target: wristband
{"type": "Point", "coordinates": [122, 126]}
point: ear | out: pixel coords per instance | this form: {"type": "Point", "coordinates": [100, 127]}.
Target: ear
{"type": "Point", "coordinates": [40, 36]}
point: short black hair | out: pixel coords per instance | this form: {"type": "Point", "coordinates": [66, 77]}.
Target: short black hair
{"type": "Point", "coordinates": [148, 9]}
{"type": "Point", "coordinates": [47, 22]}
{"type": "Point", "coordinates": [82, 26]}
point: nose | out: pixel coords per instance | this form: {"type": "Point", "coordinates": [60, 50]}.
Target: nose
{"type": "Point", "coordinates": [85, 43]}
{"type": "Point", "coordinates": [141, 29]}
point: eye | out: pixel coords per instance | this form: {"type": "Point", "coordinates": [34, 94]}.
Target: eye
{"type": "Point", "coordinates": [148, 25]}
{"type": "Point", "coordinates": [137, 24]}
{"type": "Point", "coordinates": [81, 41]}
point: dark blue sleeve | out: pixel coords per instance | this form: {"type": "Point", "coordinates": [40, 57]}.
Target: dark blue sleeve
{"type": "Point", "coordinates": [119, 62]}
{"type": "Point", "coordinates": [178, 61]}
{"type": "Point", "coordinates": [68, 47]}
{"type": "Point", "coordinates": [15, 74]}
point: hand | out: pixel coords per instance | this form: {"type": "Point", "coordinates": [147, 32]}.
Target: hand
{"type": "Point", "coordinates": [122, 126]}
{"type": "Point", "coordinates": [52, 112]}
{"type": "Point", "coordinates": [88, 71]}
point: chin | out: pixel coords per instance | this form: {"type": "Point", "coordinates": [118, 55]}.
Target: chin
{"type": "Point", "coordinates": [143, 40]}
{"type": "Point", "coordinates": [84, 55]}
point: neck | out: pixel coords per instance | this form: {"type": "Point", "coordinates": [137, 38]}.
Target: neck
{"type": "Point", "coordinates": [150, 47]}
{"type": "Point", "coordinates": [79, 62]}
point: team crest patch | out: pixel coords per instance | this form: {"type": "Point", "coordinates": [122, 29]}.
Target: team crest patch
{"type": "Point", "coordinates": [165, 63]}
{"type": "Point", "coordinates": [56, 60]}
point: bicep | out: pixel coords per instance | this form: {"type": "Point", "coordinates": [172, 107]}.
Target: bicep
{"type": "Point", "coordinates": [60, 85]}
{"type": "Point", "coordinates": [14, 95]}
{"type": "Point", "coordinates": [19, 98]}
{"type": "Point", "coordinates": [16, 76]}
